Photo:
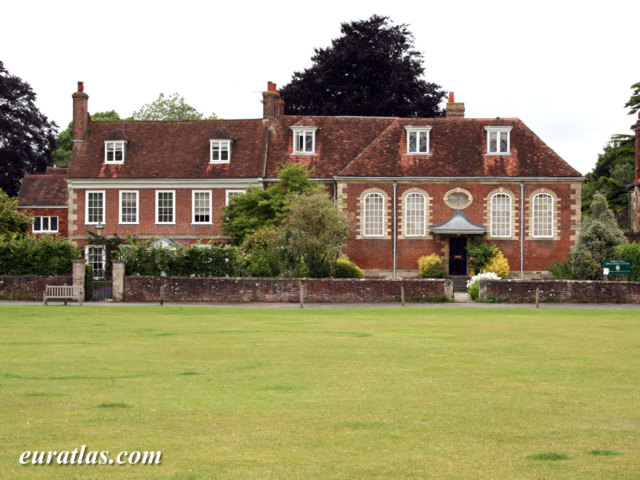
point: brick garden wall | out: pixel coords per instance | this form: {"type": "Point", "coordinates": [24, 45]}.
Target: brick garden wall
{"type": "Point", "coordinates": [187, 289]}
{"type": "Point", "coordinates": [560, 291]}
{"type": "Point", "coordinates": [28, 287]}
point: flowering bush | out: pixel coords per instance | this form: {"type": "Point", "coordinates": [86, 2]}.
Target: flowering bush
{"type": "Point", "coordinates": [473, 286]}
{"type": "Point", "coordinates": [431, 266]}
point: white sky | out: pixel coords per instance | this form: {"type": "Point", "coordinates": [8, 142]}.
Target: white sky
{"type": "Point", "coordinates": [564, 67]}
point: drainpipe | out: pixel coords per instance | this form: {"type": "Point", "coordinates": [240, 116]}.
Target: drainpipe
{"type": "Point", "coordinates": [395, 222]}
{"type": "Point", "coordinates": [521, 230]}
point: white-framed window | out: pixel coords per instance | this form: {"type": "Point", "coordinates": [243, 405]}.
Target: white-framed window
{"type": "Point", "coordinates": [95, 256]}
{"type": "Point", "coordinates": [498, 140]}
{"type": "Point", "coordinates": [128, 207]}
{"type": "Point", "coordinates": [304, 140]}
{"type": "Point", "coordinates": [543, 215]}
{"type": "Point", "coordinates": [201, 206]}
{"type": "Point", "coordinates": [415, 215]}
{"type": "Point", "coordinates": [45, 224]}
{"type": "Point", "coordinates": [418, 140]}
{"type": "Point", "coordinates": [114, 151]}
{"type": "Point", "coordinates": [220, 151]}
{"type": "Point", "coordinates": [94, 207]}
{"type": "Point", "coordinates": [501, 215]}
{"type": "Point", "coordinates": [229, 194]}
{"type": "Point", "coordinates": [373, 215]}
{"type": "Point", "coordinates": [166, 206]}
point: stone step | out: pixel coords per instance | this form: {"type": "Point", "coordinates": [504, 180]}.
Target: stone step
{"type": "Point", "coordinates": [460, 284]}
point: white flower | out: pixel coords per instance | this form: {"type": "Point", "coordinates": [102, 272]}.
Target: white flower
{"type": "Point", "coordinates": [482, 276]}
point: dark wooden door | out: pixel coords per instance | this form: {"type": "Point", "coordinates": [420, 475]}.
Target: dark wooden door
{"type": "Point", "coordinates": [457, 256]}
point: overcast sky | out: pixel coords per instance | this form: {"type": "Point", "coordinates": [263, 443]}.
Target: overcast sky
{"type": "Point", "coordinates": [564, 67]}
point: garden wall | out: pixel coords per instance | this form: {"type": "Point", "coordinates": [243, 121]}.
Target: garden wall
{"type": "Point", "coordinates": [282, 290]}
{"type": "Point", "coordinates": [29, 287]}
{"type": "Point", "coordinates": [560, 291]}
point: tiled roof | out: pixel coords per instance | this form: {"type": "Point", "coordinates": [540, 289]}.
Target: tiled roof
{"type": "Point", "coordinates": [458, 149]}
{"type": "Point", "coordinates": [43, 190]}
{"type": "Point", "coordinates": [338, 141]}
{"type": "Point", "coordinates": [171, 150]}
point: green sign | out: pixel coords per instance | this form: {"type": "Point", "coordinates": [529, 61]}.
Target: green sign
{"type": "Point", "coordinates": [617, 266]}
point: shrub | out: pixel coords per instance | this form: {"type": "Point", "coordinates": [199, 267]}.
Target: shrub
{"type": "Point", "coordinates": [260, 253]}
{"type": "Point", "coordinates": [480, 254]}
{"type": "Point", "coordinates": [632, 252]}
{"type": "Point", "coordinates": [473, 286]}
{"type": "Point", "coordinates": [498, 265]}
{"type": "Point", "coordinates": [431, 266]}
{"type": "Point", "coordinates": [562, 270]}
{"type": "Point", "coordinates": [345, 268]}
{"type": "Point", "coordinates": [36, 256]}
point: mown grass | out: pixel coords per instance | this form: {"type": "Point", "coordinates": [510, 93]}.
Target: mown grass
{"type": "Point", "coordinates": [386, 393]}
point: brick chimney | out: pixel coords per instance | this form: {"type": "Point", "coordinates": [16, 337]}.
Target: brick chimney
{"type": "Point", "coordinates": [272, 104]}
{"type": "Point", "coordinates": [454, 109]}
{"type": "Point", "coordinates": [80, 114]}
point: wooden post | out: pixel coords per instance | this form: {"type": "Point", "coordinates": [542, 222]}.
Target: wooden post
{"type": "Point", "coordinates": [537, 298]}
{"type": "Point", "coordinates": [162, 295]}
{"type": "Point", "coordinates": [301, 287]}
{"type": "Point", "coordinates": [402, 295]}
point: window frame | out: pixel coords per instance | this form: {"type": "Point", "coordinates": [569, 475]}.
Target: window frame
{"type": "Point", "coordinates": [303, 131]}
{"type": "Point", "coordinates": [551, 212]}
{"type": "Point", "coordinates": [227, 197]}
{"type": "Point", "coordinates": [103, 262]}
{"type": "Point", "coordinates": [417, 131]}
{"type": "Point", "coordinates": [494, 225]}
{"type": "Point", "coordinates": [213, 143]}
{"type": "Point", "coordinates": [49, 229]}
{"type": "Point", "coordinates": [86, 207]}
{"type": "Point", "coordinates": [120, 215]}
{"type": "Point", "coordinates": [122, 144]}
{"type": "Point", "coordinates": [367, 221]}
{"type": "Point", "coordinates": [423, 216]}
{"type": "Point", "coordinates": [209, 207]}
{"type": "Point", "coordinates": [499, 131]}
{"type": "Point", "coordinates": [173, 210]}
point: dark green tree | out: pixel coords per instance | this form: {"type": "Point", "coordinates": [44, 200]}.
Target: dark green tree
{"type": "Point", "coordinates": [12, 221]}
{"type": "Point", "coordinates": [26, 135]}
{"type": "Point", "coordinates": [372, 69]}
{"type": "Point", "coordinates": [615, 169]}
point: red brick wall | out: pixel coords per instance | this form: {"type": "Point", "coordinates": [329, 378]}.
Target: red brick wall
{"type": "Point", "coordinates": [28, 287]}
{"type": "Point", "coordinates": [187, 289]}
{"type": "Point", "coordinates": [61, 213]}
{"type": "Point", "coordinates": [183, 226]}
{"type": "Point", "coordinates": [560, 291]}
{"type": "Point", "coordinates": [376, 253]}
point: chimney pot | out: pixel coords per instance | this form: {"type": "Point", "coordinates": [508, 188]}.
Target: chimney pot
{"type": "Point", "coordinates": [271, 87]}
{"type": "Point", "coordinates": [80, 86]}
{"type": "Point", "coordinates": [451, 97]}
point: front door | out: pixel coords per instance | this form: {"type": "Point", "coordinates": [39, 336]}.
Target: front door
{"type": "Point", "coordinates": [457, 256]}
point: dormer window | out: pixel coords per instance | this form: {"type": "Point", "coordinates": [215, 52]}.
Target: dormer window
{"type": "Point", "coordinates": [498, 140]}
{"type": "Point", "coordinates": [114, 151]}
{"type": "Point", "coordinates": [418, 140]}
{"type": "Point", "coordinates": [304, 140]}
{"type": "Point", "coordinates": [220, 151]}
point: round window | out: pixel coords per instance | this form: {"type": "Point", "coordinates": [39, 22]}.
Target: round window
{"type": "Point", "coordinates": [458, 199]}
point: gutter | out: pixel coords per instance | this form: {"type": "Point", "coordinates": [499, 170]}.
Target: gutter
{"type": "Point", "coordinates": [521, 230]}
{"type": "Point", "coordinates": [395, 229]}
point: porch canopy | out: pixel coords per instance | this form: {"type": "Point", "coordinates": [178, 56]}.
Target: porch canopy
{"type": "Point", "coordinates": [458, 224]}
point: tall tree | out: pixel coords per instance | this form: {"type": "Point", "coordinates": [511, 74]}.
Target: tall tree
{"type": "Point", "coordinates": [26, 135]}
{"type": "Point", "coordinates": [172, 107]}
{"type": "Point", "coordinates": [372, 69]}
{"type": "Point", "coordinates": [615, 169]}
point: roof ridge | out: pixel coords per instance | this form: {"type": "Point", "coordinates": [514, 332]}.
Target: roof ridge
{"type": "Point", "coordinates": [355, 159]}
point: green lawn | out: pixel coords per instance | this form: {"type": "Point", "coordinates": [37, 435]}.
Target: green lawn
{"type": "Point", "coordinates": [393, 393]}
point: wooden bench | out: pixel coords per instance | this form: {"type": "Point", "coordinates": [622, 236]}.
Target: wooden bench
{"type": "Point", "coordinates": [63, 292]}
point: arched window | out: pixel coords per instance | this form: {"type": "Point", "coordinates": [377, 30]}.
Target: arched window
{"type": "Point", "coordinates": [543, 215]}
{"type": "Point", "coordinates": [415, 210]}
{"type": "Point", "coordinates": [500, 215]}
{"type": "Point", "coordinates": [373, 215]}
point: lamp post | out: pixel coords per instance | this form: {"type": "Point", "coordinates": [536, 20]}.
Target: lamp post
{"type": "Point", "coordinates": [99, 229]}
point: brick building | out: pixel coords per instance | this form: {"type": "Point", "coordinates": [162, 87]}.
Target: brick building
{"type": "Point", "coordinates": [415, 186]}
